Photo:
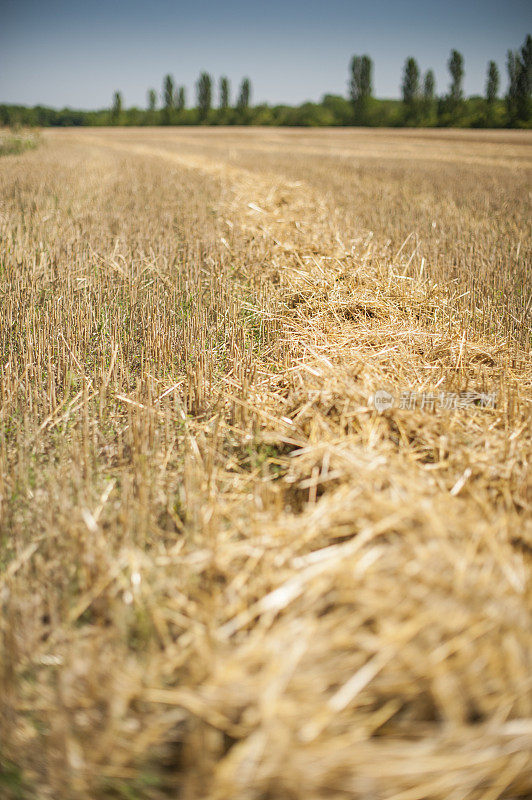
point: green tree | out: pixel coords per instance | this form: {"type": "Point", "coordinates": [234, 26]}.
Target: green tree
{"type": "Point", "coordinates": [152, 100]}
{"type": "Point", "coordinates": [456, 68]}
{"type": "Point", "coordinates": [492, 90]}
{"type": "Point", "coordinates": [224, 93]}
{"type": "Point", "coordinates": [524, 80]}
{"type": "Point", "coordinates": [244, 95]}
{"type": "Point", "coordinates": [151, 116]}
{"type": "Point", "coordinates": [168, 99]}
{"type": "Point", "coordinates": [243, 115]}
{"type": "Point", "coordinates": [360, 87]}
{"type": "Point", "coordinates": [116, 110]}
{"type": "Point", "coordinates": [492, 83]}
{"type": "Point", "coordinates": [410, 90]}
{"type": "Point", "coordinates": [204, 95]}
{"type": "Point", "coordinates": [181, 99]}
{"type": "Point", "coordinates": [519, 66]}
{"type": "Point", "coordinates": [429, 90]}
{"type": "Point", "coordinates": [455, 98]}
{"type": "Point", "coordinates": [526, 53]}
{"type": "Point", "coordinates": [512, 65]}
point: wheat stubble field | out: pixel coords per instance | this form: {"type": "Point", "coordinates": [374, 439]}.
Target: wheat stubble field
{"type": "Point", "coordinates": [224, 574]}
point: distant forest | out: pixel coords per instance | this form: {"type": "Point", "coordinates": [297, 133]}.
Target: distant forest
{"type": "Point", "coordinates": [420, 105]}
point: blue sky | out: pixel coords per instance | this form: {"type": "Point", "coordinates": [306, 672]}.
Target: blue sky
{"type": "Point", "coordinates": [68, 52]}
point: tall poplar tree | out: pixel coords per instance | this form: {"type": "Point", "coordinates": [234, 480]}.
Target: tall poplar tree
{"type": "Point", "coordinates": [524, 80]}
{"type": "Point", "coordinates": [116, 110]}
{"type": "Point", "coordinates": [152, 100]}
{"type": "Point", "coordinates": [492, 83]}
{"type": "Point", "coordinates": [410, 90]}
{"type": "Point", "coordinates": [181, 100]}
{"type": "Point", "coordinates": [429, 90]}
{"type": "Point", "coordinates": [454, 101]}
{"type": "Point", "coordinates": [204, 95]}
{"type": "Point", "coordinates": [456, 68]}
{"type": "Point", "coordinates": [168, 99]}
{"type": "Point", "coordinates": [152, 105]}
{"type": "Point", "coordinates": [360, 87]}
{"type": "Point", "coordinates": [244, 94]}
{"type": "Point", "coordinates": [492, 90]}
{"type": "Point", "coordinates": [224, 93]}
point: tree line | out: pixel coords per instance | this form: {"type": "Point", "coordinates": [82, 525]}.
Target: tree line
{"type": "Point", "coordinates": [420, 105]}
{"type": "Point", "coordinates": [174, 111]}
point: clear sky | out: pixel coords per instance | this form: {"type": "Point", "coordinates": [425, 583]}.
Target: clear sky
{"type": "Point", "coordinates": [77, 52]}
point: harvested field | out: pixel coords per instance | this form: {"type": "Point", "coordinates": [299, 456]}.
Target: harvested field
{"type": "Point", "coordinates": [223, 573]}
